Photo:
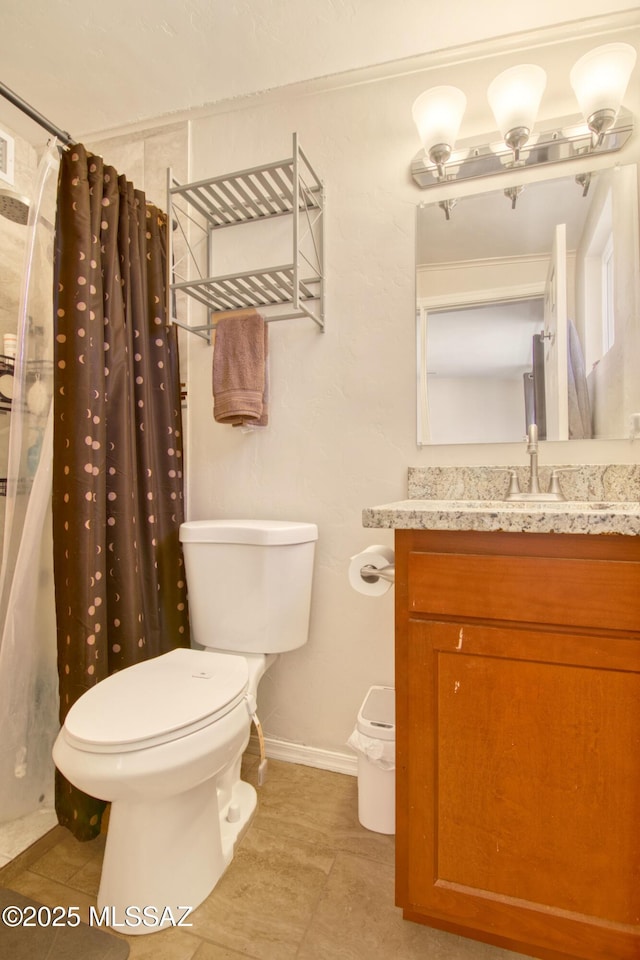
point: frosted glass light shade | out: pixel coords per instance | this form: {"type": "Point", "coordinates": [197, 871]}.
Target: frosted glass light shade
{"type": "Point", "coordinates": [437, 113]}
{"type": "Point", "coordinates": [600, 78]}
{"type": "Point", "coordinates": [515, 95]}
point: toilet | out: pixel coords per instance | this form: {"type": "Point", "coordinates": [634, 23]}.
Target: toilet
{"type": "Point", "coordinates": [163, 740]}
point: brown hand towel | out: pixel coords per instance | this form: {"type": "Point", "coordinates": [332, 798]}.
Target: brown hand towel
{"type": "Point", "coordinates": [239, 370]}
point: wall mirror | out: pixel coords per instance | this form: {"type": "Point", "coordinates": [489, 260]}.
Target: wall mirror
{"type": "Point", "coordinates": [527, 311]}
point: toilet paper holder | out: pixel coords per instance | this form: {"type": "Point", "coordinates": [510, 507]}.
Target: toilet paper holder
{"type": "Point", "coordinates": [371, 574]}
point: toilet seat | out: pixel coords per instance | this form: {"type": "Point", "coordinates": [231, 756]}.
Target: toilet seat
{"type": "Point", "coordinates": [157, 701]}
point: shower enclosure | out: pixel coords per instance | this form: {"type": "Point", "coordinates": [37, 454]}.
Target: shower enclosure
{"type": "Point", "coordinates": [28, 675]}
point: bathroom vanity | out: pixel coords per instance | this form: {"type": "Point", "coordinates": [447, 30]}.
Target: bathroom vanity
{"type": "Point", "coordinates": [518, 721]}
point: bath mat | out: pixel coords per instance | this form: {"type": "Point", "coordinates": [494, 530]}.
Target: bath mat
{"type": "Point", "coordinates": [43, 941]}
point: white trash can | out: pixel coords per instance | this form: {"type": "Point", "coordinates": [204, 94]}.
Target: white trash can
{"type": "Point", "coordinates": [374, 740]}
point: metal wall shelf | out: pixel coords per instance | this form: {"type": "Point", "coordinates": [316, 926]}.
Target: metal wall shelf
{"type": "Point", "coordinates": [7, 366]}
{"type": "Point", "coordinates": [287, 187]}
{"type": "Point", "coordinates": [33, 370]}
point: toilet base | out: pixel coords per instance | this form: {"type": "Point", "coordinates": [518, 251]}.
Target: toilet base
{"type": "Point", "coordinates": [164, 858]}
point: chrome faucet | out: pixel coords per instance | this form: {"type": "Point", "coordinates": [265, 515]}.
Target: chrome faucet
{"type": "Point", "coordinates": [533, 491]}
{"type": "Point", "coordinates": [532, 450]}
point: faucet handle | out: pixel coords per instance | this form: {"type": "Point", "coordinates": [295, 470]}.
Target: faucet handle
{"type": "Point", "coordinates": [554, 482]}
{"type": "Point", "coordinates": [514, 486]}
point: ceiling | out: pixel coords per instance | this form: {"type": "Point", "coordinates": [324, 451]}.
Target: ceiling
{"type": "Point", "coordinates": [92, 66]}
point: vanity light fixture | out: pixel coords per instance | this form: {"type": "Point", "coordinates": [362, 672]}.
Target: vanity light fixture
{"type": "Point", "coordinates": [514, 96]}
{"type": "Point", "coordinates": [599, 80]}
{"type": "Point", "coordinates": [437, 113]}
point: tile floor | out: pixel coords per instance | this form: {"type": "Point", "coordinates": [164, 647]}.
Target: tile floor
{"type": "Point", "coordinates": [307, 883]}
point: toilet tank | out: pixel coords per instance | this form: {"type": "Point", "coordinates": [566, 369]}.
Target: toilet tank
{"type": "Point", "coordinates": [249, 583]}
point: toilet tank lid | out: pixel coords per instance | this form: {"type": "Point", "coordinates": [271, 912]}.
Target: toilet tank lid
{"type": "Point", "coordinates": [260, 532]}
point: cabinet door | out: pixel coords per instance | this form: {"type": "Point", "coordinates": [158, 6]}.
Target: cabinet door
{"type": "Point", "coordinates": [519, 788]}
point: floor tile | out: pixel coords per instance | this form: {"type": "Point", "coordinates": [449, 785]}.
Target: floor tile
{"type": "Point", "coordinates": [51, 894]}
{"type": "Point", "coordinates": [263, 903]}
{"type": "Point", "coordinates": [305, 803]}
{"type": "Point", "coordinates": [164, 945]}
{"type": "Point", "coordinates": [212, 951]}
{"type": "Point", "coordinates": [356, 920]}
{"type": "Point", "coordinates": [29, 856]}
{"type": "Point", "coordinates": [71, 862]}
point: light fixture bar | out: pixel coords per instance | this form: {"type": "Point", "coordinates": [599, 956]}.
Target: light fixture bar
{"type": "Point", "coordinates": [569, 140]}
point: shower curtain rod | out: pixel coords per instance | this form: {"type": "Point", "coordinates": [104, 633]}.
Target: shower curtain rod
{"type": "Point", "coordinates": [21, 104]}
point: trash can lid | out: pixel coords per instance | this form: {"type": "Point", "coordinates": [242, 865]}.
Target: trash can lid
{"type": "Point", "coordinates": [377, 715]}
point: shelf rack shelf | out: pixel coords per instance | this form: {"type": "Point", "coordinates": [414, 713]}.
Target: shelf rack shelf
{"type": "Point", "coordinates": [285, 188]}
{"type": "Point", "coordinates": [7, 365]}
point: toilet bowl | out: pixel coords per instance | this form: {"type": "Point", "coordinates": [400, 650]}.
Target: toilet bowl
{"type": "Point", "coordinates": [163, 740]}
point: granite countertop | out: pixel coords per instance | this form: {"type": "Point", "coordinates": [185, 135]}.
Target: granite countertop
{"type": "Point", "coordinates": [600, 500]}
{"type": "Point", "coordinates": [554, 517]}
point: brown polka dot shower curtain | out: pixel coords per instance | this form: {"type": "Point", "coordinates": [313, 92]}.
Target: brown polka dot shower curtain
{"type": "Point", "coordinates": [117, 462]}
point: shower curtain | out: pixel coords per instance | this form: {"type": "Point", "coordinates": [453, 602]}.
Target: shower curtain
{"type": "Point", "coordinates": [117, 461]}
{"type": "Point", "coordinates": [28, 676]}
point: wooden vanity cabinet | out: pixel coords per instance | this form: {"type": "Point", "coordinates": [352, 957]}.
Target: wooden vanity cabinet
{"type": "Point", "coordinates": [518, 739]}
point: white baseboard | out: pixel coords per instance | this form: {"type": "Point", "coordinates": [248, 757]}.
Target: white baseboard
{"type": "Point", "coordinates": [308, 756]}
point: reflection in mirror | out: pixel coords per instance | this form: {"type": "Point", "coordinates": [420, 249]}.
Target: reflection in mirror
{"type": "Point", "coordinates": [530, 315]}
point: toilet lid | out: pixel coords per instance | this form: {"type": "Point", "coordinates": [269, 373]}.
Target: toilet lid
{"type": "Point", "coordinates": [157, 701]}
